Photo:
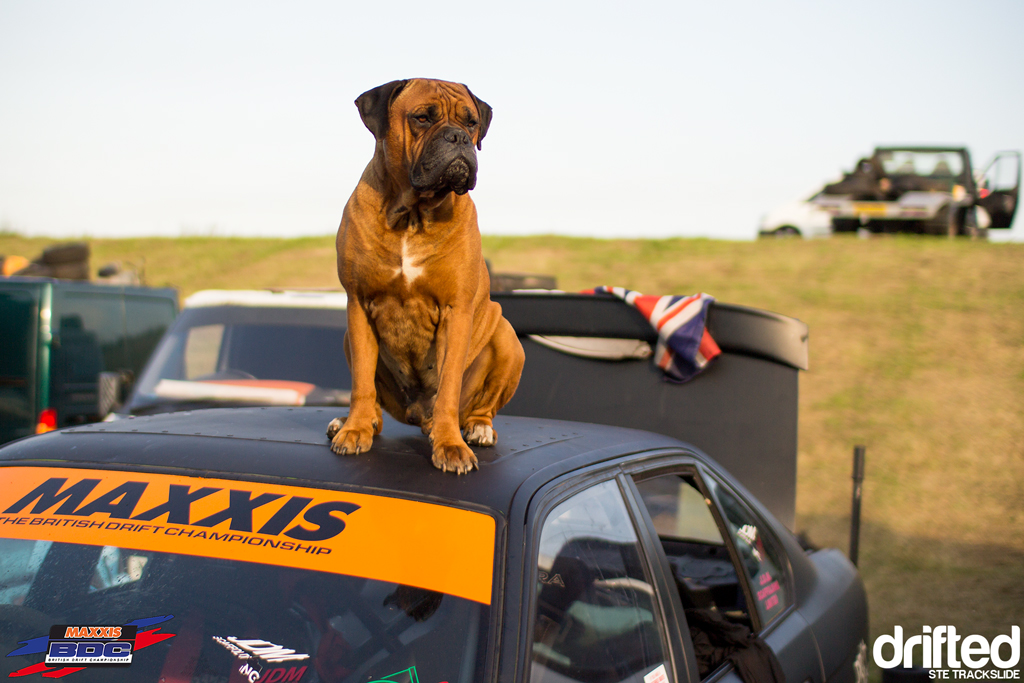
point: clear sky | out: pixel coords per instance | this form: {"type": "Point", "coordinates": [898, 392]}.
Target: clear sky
{"type": "Point", "coordinates": [644, 119]}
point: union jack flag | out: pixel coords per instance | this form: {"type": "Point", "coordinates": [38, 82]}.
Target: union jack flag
{"type": "Point", "coordinates": [684, 347]}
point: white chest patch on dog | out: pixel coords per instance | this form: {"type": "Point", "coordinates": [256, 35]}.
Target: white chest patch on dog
{"type": "Point", "coordinates": [408, 267]}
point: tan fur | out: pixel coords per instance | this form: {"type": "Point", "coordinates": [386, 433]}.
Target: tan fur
{"type": "Point", "coordinates": [424, 341]}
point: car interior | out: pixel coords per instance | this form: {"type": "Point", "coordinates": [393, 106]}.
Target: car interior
{"type": "Point", "coordinates": [351, 628]}
{"type": "Point", "coordinates": [702, 568]}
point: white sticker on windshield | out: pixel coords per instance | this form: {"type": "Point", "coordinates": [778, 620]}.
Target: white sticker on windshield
{"type": "Point", "coordinates": [659, 675]}
{"type": "Point", "coordinates": [262, 660]}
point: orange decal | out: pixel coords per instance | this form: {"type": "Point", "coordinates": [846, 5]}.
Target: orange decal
{"type": "Point", "coordinates": [430, 546]}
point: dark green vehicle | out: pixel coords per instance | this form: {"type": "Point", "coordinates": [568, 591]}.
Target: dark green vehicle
{"type": "Point", "coordinates": [60, 341]}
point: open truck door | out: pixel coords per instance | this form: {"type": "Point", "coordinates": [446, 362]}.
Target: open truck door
{"type": "Point", "coordinates": [999, 188]}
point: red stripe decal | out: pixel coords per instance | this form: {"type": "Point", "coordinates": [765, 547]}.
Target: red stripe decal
{"type": "Point", "coordinates": [34, 669]}
{"type": "Point", "coordinates": [61, 673]}
{"type": "Point", "coordinates": [150, 637]}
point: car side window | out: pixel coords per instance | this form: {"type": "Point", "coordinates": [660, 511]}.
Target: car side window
{"type": "Point", "coordinates": [146, 320]}
{"type": "Point", "coordinates": [760, 558]}
{"type": "Point", "coordinates": [701, 565]}
{"type": "Point", "coordinates": [596, 620]}
{"type": "Point", "coordinates": [90, 329]}
{"type": "Point", "coordinates": [202, 350]}
{"type": "Point", "coordinates": [694, 544]}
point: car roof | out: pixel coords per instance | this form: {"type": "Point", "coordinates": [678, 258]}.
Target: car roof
{"type": "Point", "coordinates": [263, 298]}
{"type": "Point", "coordinates": [919, 148]}
{"type": "Point", "coordinates": [92, 287]}
{"type": "Point", "coordinates": [290, 443]}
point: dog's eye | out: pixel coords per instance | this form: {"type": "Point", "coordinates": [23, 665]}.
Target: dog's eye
{"type": "Point", "coordinates": [471, 123]}
{"type": "Point", "coordinates": [421, 118]}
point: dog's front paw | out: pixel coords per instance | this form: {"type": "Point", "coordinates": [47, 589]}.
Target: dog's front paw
{"type": "Point", "coordinates": [352, 441]}
{"type": "Point", "coordinates": [352, 437]}
{"type": "Point", "coordinates": [480, 434]}
{"type": "Point", "coordinates": [457, 458]}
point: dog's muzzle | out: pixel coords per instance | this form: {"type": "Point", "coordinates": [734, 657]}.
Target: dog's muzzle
{"type": "Point", "coordinates": [448, 163]}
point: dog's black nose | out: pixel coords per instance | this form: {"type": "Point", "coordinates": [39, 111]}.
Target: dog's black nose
{"type": "Point", "coordinates": [456, 136]}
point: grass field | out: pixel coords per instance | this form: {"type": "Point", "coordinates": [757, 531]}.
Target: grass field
{"type": "Point", "coordinates": [917, 352]}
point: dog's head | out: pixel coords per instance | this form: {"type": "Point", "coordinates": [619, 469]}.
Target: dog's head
{"type": "Point", "coordinates": [428, 130]}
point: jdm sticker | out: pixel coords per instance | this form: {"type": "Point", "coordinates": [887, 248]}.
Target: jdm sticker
{"type": "Point", "coordinates": [264, 661]}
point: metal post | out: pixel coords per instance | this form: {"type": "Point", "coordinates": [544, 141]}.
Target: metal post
{"type": "Point", "coordinates": [858, 490]}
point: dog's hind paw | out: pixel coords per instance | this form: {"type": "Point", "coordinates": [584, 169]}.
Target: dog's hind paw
{"type": "Point", "coordinates": [480, 434]}
{"type": "Point", "coordinates": [334, 427]}
{"type": "Point", "coordinates": [456, 458]}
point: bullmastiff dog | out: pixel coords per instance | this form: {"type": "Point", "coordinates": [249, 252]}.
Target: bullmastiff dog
{"type": "Point", "coordinates": [424, 341]}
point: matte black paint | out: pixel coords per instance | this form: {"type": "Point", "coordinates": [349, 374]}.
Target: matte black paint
{"type": "Point", "coordinates": [742, 408]}
{"type": "Point", "coordinates": [534, 460]}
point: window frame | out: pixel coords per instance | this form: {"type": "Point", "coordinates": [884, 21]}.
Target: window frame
{"type": "Point", "coordinates": [723, 529]}
{"type": "Point", "coordinates": [688, 463]}
{"type": "Point", "coordinates": [681, 664]}
{"type": "Point", "coordinates": [766, 529]}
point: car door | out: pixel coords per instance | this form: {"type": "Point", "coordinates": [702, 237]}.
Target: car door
{"type": "Point", "coordinates": [88, 338]}
{"type": "Point", "coordinates": [593, 603]}
{"type": "Point", "coordinates": [729, 571]}
{"type": "Point", "coordinates": [999, 188]}
{"type": "Point", "coordinates": [20, 350]}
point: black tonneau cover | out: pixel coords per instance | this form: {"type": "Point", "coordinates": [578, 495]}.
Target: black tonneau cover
{"type": "Point", "coordinates": [742, 410]}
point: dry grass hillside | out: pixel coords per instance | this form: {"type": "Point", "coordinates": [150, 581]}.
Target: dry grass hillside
{"type": "Point", "coordinates": [917, 351]}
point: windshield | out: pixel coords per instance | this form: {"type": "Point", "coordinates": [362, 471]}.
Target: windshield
{"type": "Point", "coordinates": [115, 576]}
{"type": "Point", "coordinates": [248, 356]}
{"type": "Point", "coordinates": [943, 167]}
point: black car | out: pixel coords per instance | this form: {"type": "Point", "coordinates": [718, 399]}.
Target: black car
{"type": "Point", "coordinates": [231, 544]}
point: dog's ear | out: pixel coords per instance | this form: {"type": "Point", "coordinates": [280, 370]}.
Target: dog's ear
{"type": "Point", "coordinates": [374, 104]}
{"type": "Point", "coordinates": [485, 115]}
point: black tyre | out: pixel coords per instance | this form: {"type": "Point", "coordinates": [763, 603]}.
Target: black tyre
{"type": "Point", "coordinates": [941, 225]}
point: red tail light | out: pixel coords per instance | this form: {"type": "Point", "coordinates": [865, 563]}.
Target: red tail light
{"type": "Point", "coordinates": [47, 421]}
